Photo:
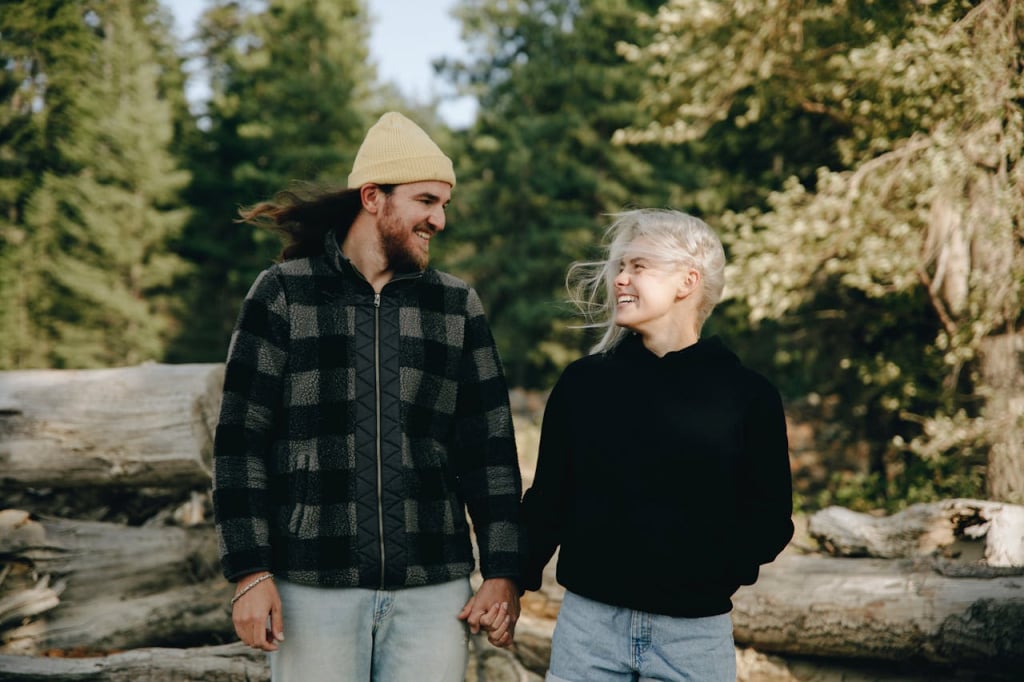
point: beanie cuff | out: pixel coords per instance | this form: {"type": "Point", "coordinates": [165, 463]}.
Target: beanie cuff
{"type": "Point", "coordinates": [399, 172]}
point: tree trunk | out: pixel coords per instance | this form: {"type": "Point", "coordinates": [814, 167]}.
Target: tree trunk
{"type": "Point", "coordinates": [181, 616]}
{"type": "Point", "coordinates": [107, 559]}
{"type": "Point", "coordinates": [113, 586]}
{"type": "Point", "coordinates": [225, 663]}
{"type": "Point", "coordinates": [754, 666]}
{"type": "Point", "coordinates": [886, 609]}
{"type": "Point", "coordinates": [1002, 369]}
{"type": "Point", "coordinates": [488, 663]}
{"type": "Point", "coordinates": [985, 533]}
{"type": "Point", "coordinates": [148, 425]}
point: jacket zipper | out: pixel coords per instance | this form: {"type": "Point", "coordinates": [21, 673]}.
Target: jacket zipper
{"type": "Point", "coordinates": [380, 458]}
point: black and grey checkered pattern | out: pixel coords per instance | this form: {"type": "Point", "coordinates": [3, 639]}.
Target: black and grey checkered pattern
{"type": "Point", "coordinates": [356, 431]}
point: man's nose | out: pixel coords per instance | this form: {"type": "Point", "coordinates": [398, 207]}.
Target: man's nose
{"type": "Point", "coordinates": [437, 219]}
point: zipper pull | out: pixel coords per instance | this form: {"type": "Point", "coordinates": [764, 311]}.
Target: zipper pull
{"type": "Point", "coordinates": [376, 299]}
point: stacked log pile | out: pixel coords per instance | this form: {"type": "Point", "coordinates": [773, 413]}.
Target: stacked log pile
{"type": "Point", "coordinates": [106, 544]}
{"type": "Point", "coordinates": [935, 592]}
{"type": "Point", "coordinates": [109, 570]}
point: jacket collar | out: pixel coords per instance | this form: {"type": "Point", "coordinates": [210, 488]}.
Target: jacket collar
{"type": "Point", "coordinates": [337, 259]}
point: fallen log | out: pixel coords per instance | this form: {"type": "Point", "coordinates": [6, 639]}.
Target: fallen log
{"type": "Point", "coordinates": [989, 533]}
{"type": "Point", "coordinates": [488, 663]}
{"type": "Point", "coordinates": [181, 616]}
{"type": "Point", "coordinates": [883, 609]}
{"type": "Point", "coordinates": [108, 559]}
{"type": "Point", "coordinates": [754, 666]}
{"type": "Point", "coordinates": [148, 425]}
{"type": "Point", "coordinates": [533, 641]}
{"type": "Point", "coordinates": [224, 663]}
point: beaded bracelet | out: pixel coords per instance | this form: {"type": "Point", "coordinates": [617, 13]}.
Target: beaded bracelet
{"type": "Point", "coordinates": [254, 583]}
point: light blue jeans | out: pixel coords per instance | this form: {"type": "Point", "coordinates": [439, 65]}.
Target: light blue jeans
{"type": "Point", "coordinates": [595, 642]}
{"type": "Point", "coordinates": [361, 635]}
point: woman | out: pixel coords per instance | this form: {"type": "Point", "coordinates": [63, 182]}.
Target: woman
{"type": "Point", "coordinates": [663, 471]}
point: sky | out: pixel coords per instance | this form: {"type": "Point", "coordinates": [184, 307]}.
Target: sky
{"type": "Point", "coordinates": [405, 37]}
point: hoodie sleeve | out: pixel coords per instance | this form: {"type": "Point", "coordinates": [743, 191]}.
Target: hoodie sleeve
{"type": "Point", "coordinates": [249, 410]}
{"type": "Point", "coordinates": [765, 497]}
{"type": "Point", "coordinates": [544, 502]}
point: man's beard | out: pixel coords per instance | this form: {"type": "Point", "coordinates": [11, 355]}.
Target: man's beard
{"type": "Point", "coordinates": [401, 255]}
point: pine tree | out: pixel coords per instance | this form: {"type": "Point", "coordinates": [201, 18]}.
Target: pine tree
{"type": "Point", "coordinates": [539, 172]}
{"type": "Point", "coordinates": [290, 101]}
{"type": "Point", "coordinates": [97, 226]}
{"type": "Point", "coordinates": [43, 44]}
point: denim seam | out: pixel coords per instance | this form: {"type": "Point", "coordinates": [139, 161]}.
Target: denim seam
{"type": "Point", "coordinates": [640, 637]}
{"type": "Point", "coordinates": [384, 602]}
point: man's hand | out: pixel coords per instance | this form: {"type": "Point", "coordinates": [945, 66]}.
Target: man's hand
{"type": "Point", "coordinates": [494, 608]}
{"type": "Point", "coordinates": [251, 611]}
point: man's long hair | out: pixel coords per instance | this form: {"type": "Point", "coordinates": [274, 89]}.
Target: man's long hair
{"type": "Point", "coordinates": [303, 214]}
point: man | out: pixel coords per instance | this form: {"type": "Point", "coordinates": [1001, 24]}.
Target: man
{"type": "Point", "coordinates": [364, 412]}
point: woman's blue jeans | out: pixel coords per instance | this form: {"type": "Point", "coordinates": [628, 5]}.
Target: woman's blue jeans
{"type": "Point", "coordinates": [595, 642]}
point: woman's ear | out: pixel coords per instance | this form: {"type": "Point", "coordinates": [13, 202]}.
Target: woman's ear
{"type": "Point", "coordinates": [689, 283]}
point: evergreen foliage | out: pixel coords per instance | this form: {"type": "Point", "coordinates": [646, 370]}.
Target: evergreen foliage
{"type": "Point", "coordinates": [538, 172]}
{"type": "Point", "coordinates": [96, 209]}
{"type": "Point", "coordinates": [861, 158]}
{"type": "Point", "coordinates": [290, 101]}
{"type": "Point", "coordinates": [912, 243]}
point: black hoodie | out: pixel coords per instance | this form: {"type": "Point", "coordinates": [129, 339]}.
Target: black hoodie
{"type": "Point", "coordinates": [666, 481]}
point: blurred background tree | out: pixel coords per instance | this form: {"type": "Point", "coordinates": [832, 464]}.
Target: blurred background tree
{"type": "Point", "coordinates": [92, 200]}
{"type": "Point", "coordinates": [538, 170]}
{"type": "Point", "coordinates": [290, 100]}
{"type": "Point", "coordinates": [909, 245]}
{"type": "Point", "coordinates": [860, 158]}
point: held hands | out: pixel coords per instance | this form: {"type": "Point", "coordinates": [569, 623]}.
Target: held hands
{"type": "Point", "coordinates": [251, 610]}
{"type": "Point", "coordinates": [495, 609]}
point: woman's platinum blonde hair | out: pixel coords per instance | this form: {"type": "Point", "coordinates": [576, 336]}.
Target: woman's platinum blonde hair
{"type": "Point", "coordinates": [673, 238]}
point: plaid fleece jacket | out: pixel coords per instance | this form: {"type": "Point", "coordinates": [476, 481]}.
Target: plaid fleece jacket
{"type": "Point", "coordinates": [356, 430]}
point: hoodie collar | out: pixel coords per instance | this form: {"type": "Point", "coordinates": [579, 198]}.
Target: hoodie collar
{"type": "Point", "coordinates": [707, 351]}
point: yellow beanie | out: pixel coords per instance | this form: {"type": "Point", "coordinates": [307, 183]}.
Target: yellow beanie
{"type": "Point", "coordinates": [397, 151]}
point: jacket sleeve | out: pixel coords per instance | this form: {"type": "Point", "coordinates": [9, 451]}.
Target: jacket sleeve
{"type": "Point", "coordinates": [544, 503]}
{"type": "Point", "coordinates": [765, 497]}
{"type": "Point", "coordinates": [485, 450]}
{"type": "Point", "coordinates": [253, 381]}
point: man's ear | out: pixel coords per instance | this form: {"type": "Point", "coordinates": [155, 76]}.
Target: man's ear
{"type": "Point", "coordinates": [371, 195]}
